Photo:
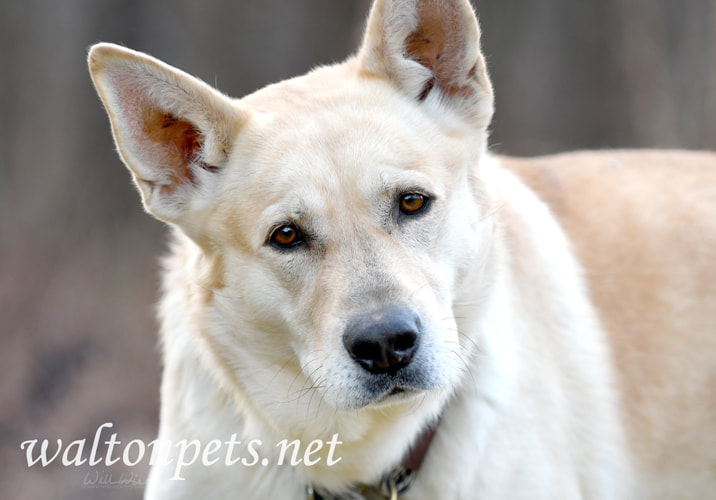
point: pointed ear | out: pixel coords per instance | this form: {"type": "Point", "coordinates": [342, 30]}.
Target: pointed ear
{"type": "Point", "coordinates": [173, 131]}
{"type": "Point", "coordinates": [430, 48]}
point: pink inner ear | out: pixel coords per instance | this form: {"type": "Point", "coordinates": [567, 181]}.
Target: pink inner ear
{"type": "Point", "coordinates": [179, 145]}
{"type": "Point", "coordinates": [178, 140]}
{"type": "Point", "coordinates": [438, 44]}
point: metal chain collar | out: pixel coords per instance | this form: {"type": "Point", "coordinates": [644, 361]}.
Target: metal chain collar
{"type": "Point", "coordinates": [394, 484]}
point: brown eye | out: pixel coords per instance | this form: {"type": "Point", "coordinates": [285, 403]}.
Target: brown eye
{"type": "Point", "coordinates": [286, 236]}
{"type": "Point", "coordinates": [413, 203]}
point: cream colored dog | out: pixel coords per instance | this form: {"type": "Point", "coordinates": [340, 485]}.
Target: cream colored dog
{"type": "Point", "coordinates": [351, 267]}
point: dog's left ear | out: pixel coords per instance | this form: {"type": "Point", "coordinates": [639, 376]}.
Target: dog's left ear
{"type": "Point", "coordinates": [429, 47]}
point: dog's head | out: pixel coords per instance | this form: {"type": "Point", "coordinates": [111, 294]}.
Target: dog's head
{"type": "Point", "coordinates": [336, 218]}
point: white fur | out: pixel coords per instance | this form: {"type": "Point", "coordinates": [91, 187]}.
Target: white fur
{"type": "Point", "coordinates": [512, 357]}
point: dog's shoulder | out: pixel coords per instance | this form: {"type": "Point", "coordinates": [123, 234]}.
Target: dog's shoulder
{"type": "Point", "coordinates": [643, 226]}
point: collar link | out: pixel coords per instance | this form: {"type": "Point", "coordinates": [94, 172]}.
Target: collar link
{"type": "Point", "coordinates": [394, 484]}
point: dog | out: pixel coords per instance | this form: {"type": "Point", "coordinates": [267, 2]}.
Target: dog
{"type": "Point", "coordinates": [355, 281]}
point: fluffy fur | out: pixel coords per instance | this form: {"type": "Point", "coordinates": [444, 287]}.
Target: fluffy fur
{"type": "Point", "coordinates": [566, 303]}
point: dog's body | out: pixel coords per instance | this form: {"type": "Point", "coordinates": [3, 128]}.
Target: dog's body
{"type": "Point", "coordinates": [350, 260]}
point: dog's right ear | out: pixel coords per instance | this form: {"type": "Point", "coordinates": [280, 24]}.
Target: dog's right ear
{"type": "Point", "coordinates": [173, 131]}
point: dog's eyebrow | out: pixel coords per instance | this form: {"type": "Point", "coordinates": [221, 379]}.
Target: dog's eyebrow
{"type": "Point", "coordinates": [405, 180]}
{"type": "Point", "coordinates": [293, 208]}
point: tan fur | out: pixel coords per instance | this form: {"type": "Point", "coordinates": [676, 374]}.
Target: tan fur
{"type": "Point", "coordinates": [644, 226]}
{"type": "Point", "coordinates": [564, 307]}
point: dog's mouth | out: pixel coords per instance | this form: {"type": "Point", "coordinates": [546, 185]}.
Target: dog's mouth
{"type": "Point", "coordinates": [396, 390]}
{"type": "Point", "coordinates": [384, 391]}
{"type": "Point", "coordinates": [396, 394]}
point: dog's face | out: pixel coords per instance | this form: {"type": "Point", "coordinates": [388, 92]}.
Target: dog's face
{"type": "Point", "coordinates": [337, 216]}
{"type": "Point", "coordinates": [350, 235]}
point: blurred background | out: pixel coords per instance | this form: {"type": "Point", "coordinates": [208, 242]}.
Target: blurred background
{"type": "Point", "coordinates": [79, 258]}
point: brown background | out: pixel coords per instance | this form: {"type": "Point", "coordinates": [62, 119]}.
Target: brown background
{"type": "Point", "coordinates": [78, 258]}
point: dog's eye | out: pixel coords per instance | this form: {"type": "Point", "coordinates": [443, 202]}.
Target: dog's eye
{"type": "Point", "coordinates": [286, 236]}
{"type": "Point", "coordinates": [413, 203]}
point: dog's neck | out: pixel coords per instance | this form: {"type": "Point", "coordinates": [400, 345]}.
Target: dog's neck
{"type": "Point", "coordinates": [396, 482]}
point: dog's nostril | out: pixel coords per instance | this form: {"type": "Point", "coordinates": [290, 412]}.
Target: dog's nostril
{"type": "Point", "coordinates": [383, 342]}
{"type": "Point", "coordinates": [365, 350]}
{"type": "Point", "coordinates": [404, 341]}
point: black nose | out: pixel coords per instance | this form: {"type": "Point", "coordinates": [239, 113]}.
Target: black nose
{"type": "Point", "coordinates": [384, 341]}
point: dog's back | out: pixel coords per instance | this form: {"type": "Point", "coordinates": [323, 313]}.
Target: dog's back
{"type": "Point", "coordinates": [643, 225]}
